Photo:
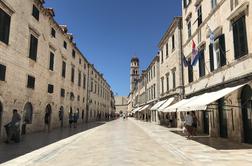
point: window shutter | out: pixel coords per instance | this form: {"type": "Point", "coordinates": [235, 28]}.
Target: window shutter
{"type": "Point", "coordinates": [2, 72]}
{"type": "Point", "coordinates": [211, 57]}
{"type": "Point", "coordinates": [33, 48]}
{"type": "Point", "coordinates": [222, 50]}
{"type": "Point", "coordinates": [4, 26]}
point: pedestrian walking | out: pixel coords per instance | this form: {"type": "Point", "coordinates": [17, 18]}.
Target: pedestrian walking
{"type": "Point", "coordinates": [194, 124]}
{"type": "Point", "coordinates": [188, 124]}
{"type": "Point", "coordinates": [47, 120]}
{"type": "Point", "coordinates": [13, 127]}
{"type": "Point", "coordinates": [70, 118]}
{"type": "Point", "coordinates": [75, 119]}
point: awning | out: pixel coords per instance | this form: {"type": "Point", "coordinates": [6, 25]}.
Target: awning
{"type": "Point", "coordinates": [144, 107]}
{"type": "Point", "coordinates": [166, 104]}
{"type": "Point", "coordinates": [136, 109]}
{"type": "Point", "coordinates": [202, 101]}
{"type": "Point", "coordinates": [174, 107]}
{"type": "Point", "coordinates": [158, 104]}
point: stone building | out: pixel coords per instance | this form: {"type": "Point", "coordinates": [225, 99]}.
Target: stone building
{"type": "Point", "coordinates": [205, 65]}
{"type": "Point", "coordinates": [146, 92]}
{"type": "Point", "coordinates": [221, 32]}
{"type": "Point", "coordinates": [171, 75]}
{"type": "Point", "coordinates": [121, 104]}
{"type": "Point", "coordinates": [42, 70]}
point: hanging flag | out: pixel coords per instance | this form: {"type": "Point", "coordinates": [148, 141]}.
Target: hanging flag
{"type": "Point", "coordinates": [216, 58]}
{"type": "Point", "coordinates": [195, 54]}
{"type": "Point", "coordinates": [185, 61]}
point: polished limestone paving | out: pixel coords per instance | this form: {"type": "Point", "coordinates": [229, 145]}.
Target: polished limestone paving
{"type": "Point", "coordinates": [134, 143]}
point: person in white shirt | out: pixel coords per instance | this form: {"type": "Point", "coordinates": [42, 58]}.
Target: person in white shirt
{"type": "Point", "coordinates": [188, 124]}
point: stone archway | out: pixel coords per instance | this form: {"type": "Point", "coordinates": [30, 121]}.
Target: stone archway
{"type": "Point", "coordinates": [1, 113]}
{"type": "Point", "coordinates": [246, 105]}
{"type": "Point", "coordinates": [27, 116]}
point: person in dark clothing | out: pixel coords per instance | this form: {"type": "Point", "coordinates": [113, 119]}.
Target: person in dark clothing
{"type": "Point", "coordinates": [70, 119]}
{"type": "Point", "coordinates": [75, 119]}
{"type": "Point", "coordinates": [13, 127]}
{"type": "Point", "coordinates": [47, 120]}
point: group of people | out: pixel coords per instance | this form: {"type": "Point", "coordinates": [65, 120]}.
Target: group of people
{"type": "Point", "coordinates": [191, 124]}
{"type": "Point", "coordinates": [73, 118]}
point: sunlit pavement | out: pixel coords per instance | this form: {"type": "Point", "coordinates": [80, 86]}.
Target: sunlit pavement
{"type": "Point", "coordinates": [130, 142]}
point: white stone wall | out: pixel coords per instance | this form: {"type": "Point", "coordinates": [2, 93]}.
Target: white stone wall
{"type": "Point", "coordinates": [13, 91]}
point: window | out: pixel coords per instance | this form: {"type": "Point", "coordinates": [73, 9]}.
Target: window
{"type": "Point", "coordinates": [217, 52]}
{"type": "Point", "coordinates": [173, 42]}
{"type": "Point", "coordinates": [84, 81]}
{"type": "Point", "coordinates": [190, 71]}
{"type": "Point", "coordinates": [53, 33]}
{"type": "Point", "coordinates": [35, 12]}
{"type": "Point", "coordinates": [51, 63]}
{"type": "Point", "coordinates": [162, 56]}
{"type": "Point", "coordinates": [213, 4]}
{"type": "Point", "coordinates": [91, 86]}
{"type": "Point", "coordinates": [199, 11]}
{"type": "Point", "coordinates": [201, 63]}
{"type": "Point", "coordinates": [4, 27]}
{"type": "Point", "coordinates": [2, 72]}
{"type": "Point", "coordinates": [80, 61]}
{"type": "Point", "coordinates": [166, 49]}
{"type": "Point", "coordinates": [233, 4]}
{"type": "Point", "coordinates": [65, 44]}
{"type": "Point", "coordinates": [186, 3]}
{"type": "Point", "coordinates": [167, 82]}
{"type": "Point", "coordinates": [79, 79]}
{"type": "Point", "coordinates": [162, 85]}
{"type": "Point", "coordinates": [50, 88]}
{"type": "Point", "coordinates": [62, 92]}
{"type": "Point", "coordinates": [31, 82]}
{"type": "Point", "coordinates": [154, 71]}
{"type": "Point", "coordinates": [33, 48]}
{"type": "Point", "coordinates": [189, 30]}
{"type": "Point", "coordinates": [73, 53]}
{"type": "Point", "coordinates": [63, 72]}
{"type": "Point", "coordinates": [240, 37]}
{"type": "Point", "coordinates": [154, 90]}
{"type": "Point", "coordinates": [72, 75]}
{"type": "Point", "coordinates": [174, 78]}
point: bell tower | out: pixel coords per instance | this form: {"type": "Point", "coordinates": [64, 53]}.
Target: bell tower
{"type": "Point", "coordinates": [134, 72]}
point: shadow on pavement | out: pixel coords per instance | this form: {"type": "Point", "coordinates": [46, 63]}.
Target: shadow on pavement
{"type": "Point", "coordinates": [38, 140]}
{"type": "Point", "coordinates": [216, 143]}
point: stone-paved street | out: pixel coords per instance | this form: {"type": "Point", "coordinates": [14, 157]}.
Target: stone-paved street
{"type": "Point", "coordinates": [130, 142]}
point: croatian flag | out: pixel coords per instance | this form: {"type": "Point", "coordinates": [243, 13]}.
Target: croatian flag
{"type": "Point", "coordinates": [195, 54]}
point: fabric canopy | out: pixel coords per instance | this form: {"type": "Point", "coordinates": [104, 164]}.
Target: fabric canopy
{"type": "Point", "coordinates": [202, 101]}
{"type": "Point", "coordinates": [174, 107]}
{"type": "Point", "coordinates": [136, 109]}
{"type": "Point", "coordinates": [158, 104]}
{"type": "Point", "coordinates": [144, 107]}
{"type": "Point", "coordinates": [166, 104]}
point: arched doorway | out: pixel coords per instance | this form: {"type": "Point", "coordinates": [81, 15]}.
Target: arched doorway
{"type": "Point", "coordinates": [47, 118]}
{"type": "Point", "coordinates": [1, 113]}
{"type": "Point", "coordinates": [61, 116]}
{"type": "Point", "coordinates": [246, 104]}
{"type": "Point", "coordinates": [26, 117]}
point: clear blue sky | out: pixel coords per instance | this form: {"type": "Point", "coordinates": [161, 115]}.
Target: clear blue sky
{"type": "Point", "coordinates": [110, 32]}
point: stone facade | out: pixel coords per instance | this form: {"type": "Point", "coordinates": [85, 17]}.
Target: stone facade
{"type": "Point", "coordinates": [221, 32]}
{"type": "Point", "coordinates": [121, 104]}
{"type": "Point", "coordinates": [82, 88]}
{"type": "Point", "coordinates": [231, 70]}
